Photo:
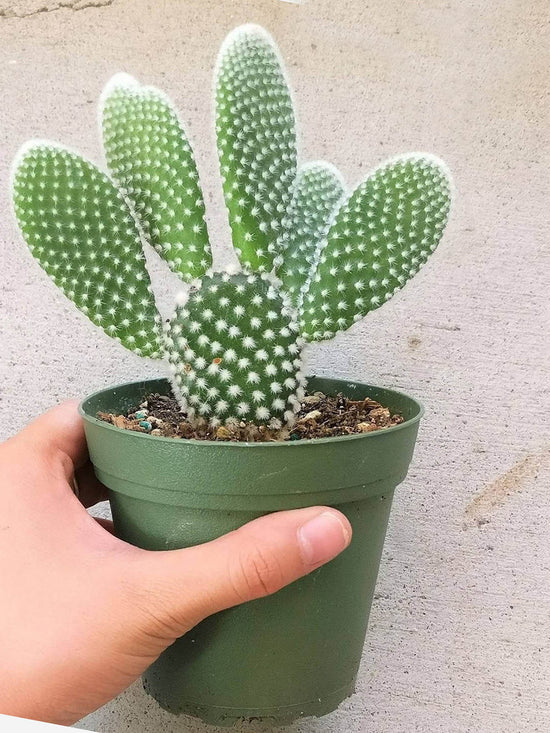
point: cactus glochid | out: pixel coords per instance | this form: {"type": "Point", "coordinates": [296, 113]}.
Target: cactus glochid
{"type": "Point", "coordinates": [314, 258]}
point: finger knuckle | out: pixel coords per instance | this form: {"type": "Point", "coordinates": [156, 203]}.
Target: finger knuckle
{"type": "Point", "coordinates": [154, 610]}
{"type": "Point", "coordinates": [257, 573]}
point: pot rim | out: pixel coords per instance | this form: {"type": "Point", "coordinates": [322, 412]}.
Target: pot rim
{"type": "Point", "coordinates": [256, 445]}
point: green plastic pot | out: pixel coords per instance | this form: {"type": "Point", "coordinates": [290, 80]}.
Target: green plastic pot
{"type": "Point", "coordinates": [295, 653]}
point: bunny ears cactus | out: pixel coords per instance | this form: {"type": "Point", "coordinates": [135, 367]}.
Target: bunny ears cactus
{"type": "Point", "coordinates": [314, 259]}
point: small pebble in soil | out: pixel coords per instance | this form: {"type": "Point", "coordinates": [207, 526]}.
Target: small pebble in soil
{"type": "Point", "coordinates": [366, 427]}
{"type": "Point", "coordinates": [320, 416]}
{"type": "Point", "coordinates": [313, 415]}
{"type": "Point", "coordinates": [312, 399]}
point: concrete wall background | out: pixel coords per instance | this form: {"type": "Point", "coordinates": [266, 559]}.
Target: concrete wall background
{"type": "Point", "coordinates": [458, 638]}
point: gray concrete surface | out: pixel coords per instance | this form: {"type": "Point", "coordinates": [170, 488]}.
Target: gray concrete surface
{"type": "Point", "coordinates": [458, 639]}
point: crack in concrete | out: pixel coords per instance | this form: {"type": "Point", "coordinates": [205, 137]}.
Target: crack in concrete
{"type": "Point", "coordinates": [16, 11]}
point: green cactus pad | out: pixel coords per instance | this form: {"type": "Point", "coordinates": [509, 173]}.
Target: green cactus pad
{"type": "Point", "coordinates": [318, 191]}
{"type": "Point", "coordinates": [234, 351]}
{"type": "Point", "coordinates": [151, 160]}
{"type": "Point", "coordinates": [82, 233]}
{"type": "Point", "coordinates": [256, 143]}
{"type": "Point", "coordinates": [380, 237]}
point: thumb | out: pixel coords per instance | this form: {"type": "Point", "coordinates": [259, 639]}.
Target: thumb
{"type": "Point", "coordinates": [254, 561]}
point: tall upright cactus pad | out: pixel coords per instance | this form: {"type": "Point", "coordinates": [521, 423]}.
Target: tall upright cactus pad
{"type": "Point", "coordinates": [256, 136]}
{"type": "Point", "coordinates": [379, 239]}
{"type": "Point", "coordinates": [82, 233]}
{"type": "Point", "coordinates": [318, 191]}
{"type": "Point", "coordinates": [150, 158]}
{"type": "Point", "coordinates": [234, 350]}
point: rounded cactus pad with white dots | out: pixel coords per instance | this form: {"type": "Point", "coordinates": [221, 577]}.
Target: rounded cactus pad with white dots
{"type": "Point", "coordinates": [79, 228]}
{"type": "Point", "coordinates": [234, 351]}
{"type": "Point", "coordinates": [256, 138]}
{"type": "Point", "coordinates": [150, 158]}
{"type": "Point", "coordinates": [380, 237]}
{"type": "Point", "coordinates": [318, 191]}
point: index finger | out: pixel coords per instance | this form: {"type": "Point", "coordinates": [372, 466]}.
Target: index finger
{"type": "Point", "coordinates": [61, 431]}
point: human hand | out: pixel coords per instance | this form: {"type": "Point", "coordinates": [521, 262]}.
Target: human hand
{"type": "Point", "coordinates": [82, 613]}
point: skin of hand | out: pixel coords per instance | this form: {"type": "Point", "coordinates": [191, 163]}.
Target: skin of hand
{"type": "Point", "coordinates": [82, 613]}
